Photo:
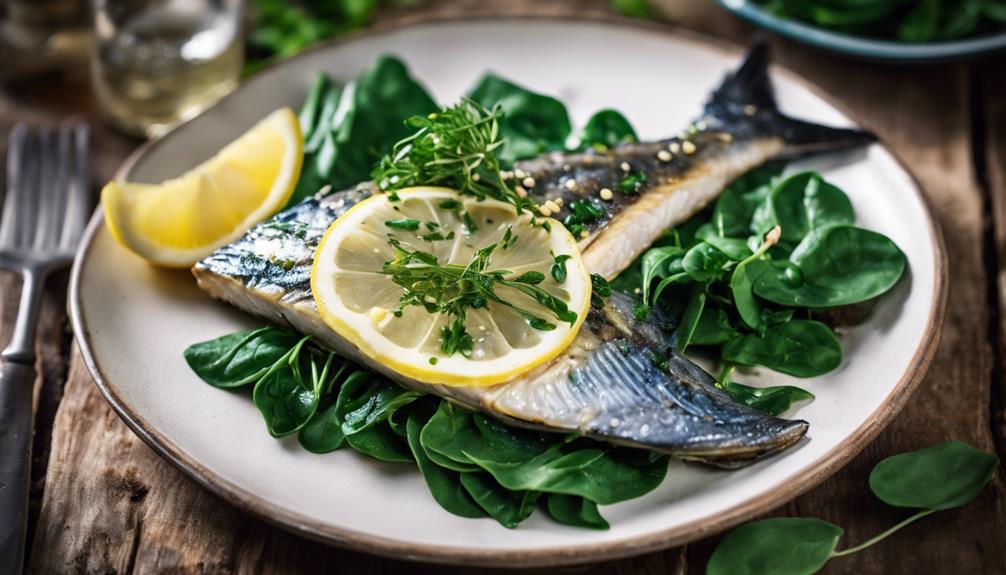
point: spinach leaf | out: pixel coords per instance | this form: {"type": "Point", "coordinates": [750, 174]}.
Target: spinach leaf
{"type": "Point", "coordinates": [805, 202]}
{"type": "Point", "coordinates": [444, 484]}
{"type": "Point", "coordinates": [771, 400]}
{"type": "Point", "coordinates": [323, 432]}
{"type": "Point", "coordinates": [742, 282]}
{"type": "Point", "coordinates": [606, 129]}
{"type": "Point", "coordinates": [690, 319]}
{"type": "Point", "coordinates": [368, 117]}
{"type": "Point", "coordinates": [780, 546]}
{"type": "Point", "coordinates": [834, 266]}
{"type": "Point", "coordinates": [508, 507]}
{"type": "Point", "coordinates": [735, 208]}
{"type": "Point", "coordinates": [940, 477]}
{"type": "Point", "coordinates": [659, 263]}
{"type": "Point", "coordinates": [239, 358]}
{"type": "Point", "coordinates": [532, 123]}
{"type": "Point", "coordinates": [704, 263]}
{"type": "Point", "coordinates": [633, 8]}
{"type": "Point", "coordinates": [381, 442]}
{"type": "Point", "coordinates": [802, 348]}
{"type": "Point", "coordinates": [734, 248]}
{"type": "Point", "coordinates": [713, 327]}
{"type": "Point", "coordinates": [575, 511]}
{"type": "Point", "coordinates": [522, 460]}
{"type": "Point", "coordinates": [284, 395]}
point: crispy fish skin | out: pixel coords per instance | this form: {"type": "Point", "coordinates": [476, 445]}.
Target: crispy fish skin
{"type": "Point", "coordinates": [621, 380]}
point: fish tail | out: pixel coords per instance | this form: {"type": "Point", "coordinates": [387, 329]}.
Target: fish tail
{"type": "Point", "coordinates": [746, 102]}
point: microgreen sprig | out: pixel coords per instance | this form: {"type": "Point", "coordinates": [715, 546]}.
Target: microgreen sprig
{"type": "Point", "coordinates": [458, 148]}
{"type": "Point", "coordinates": [453, 289]}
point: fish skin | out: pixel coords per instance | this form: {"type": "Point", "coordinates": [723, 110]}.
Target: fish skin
{"type": "Point", "coordinates": [621, 380]}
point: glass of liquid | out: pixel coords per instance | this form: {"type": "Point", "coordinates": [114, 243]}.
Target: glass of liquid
{"type": "Point", "coordinates": [159, 62]}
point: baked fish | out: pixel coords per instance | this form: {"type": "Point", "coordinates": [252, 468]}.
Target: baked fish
{"type": "Point", "coordinates": [621, 380]}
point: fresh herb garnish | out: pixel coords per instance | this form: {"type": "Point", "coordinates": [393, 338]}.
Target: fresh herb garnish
{"type": "Point", "coordinates": [406, 224]}
{"type": "Point", "coordinates": [453, 289]}
{"type": "Point", "coordinates": [558, 267]}
{"type": "Point", "coordinates": [457, 147]}
{"type": "Point", "coordinates": [581, 214]}
{"type": "Point", "coordinates": [632, 183]}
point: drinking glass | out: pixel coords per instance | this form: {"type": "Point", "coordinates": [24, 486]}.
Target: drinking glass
{"type": "Point", "coordinates": [157, 62]}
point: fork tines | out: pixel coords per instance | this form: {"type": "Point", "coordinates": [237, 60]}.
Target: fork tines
{"type": "Point", "coordinates": [48, 192]}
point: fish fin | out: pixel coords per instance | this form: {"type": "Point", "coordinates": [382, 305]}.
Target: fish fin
{"type": "Point", "coordinates": [745, 102]}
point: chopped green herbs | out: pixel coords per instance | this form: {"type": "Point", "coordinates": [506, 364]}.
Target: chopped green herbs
{"type": "Point", "coordinates": [403, 224]}
{"type": "Point", "coordinates": [558, 267]}
{"type": "Point", "coordinates": [582, 213]}
{"type": "Point", "coordinates": [453, 289]}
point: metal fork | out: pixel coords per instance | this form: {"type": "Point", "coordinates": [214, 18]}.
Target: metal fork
{"type": "Point", "coordinates": [44, 213]}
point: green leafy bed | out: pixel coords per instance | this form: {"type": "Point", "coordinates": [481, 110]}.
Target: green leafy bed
{"type": "Point", "coordinates": [739, 289]}
{"type": "Point", "coordinates": [902, 20]}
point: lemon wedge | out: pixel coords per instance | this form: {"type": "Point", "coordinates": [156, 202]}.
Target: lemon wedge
{"type": "Point", "coordinates": [431, 246]}
{"type": "Point", "coordinates": [178, 222]}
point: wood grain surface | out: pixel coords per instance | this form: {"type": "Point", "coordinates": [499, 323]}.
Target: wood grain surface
{"type": "Point", "coordinates": [105, 503]}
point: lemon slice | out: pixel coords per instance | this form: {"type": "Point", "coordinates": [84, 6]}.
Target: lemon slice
{"type": "Point", "coordinates": [358, 297]}
{"type": "Point", "coordinates": [180, 221]}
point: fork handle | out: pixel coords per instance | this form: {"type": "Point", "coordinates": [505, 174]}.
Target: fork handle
{"type": "Point", "coordinates": [16, 387]}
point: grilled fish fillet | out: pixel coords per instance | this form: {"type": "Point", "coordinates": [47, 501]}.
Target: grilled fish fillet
{"type": "Point", "coordinates": [621, 380]}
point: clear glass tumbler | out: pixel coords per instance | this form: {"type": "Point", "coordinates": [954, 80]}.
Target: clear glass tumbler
{"type": "Point", "coordinates": [157, 62]}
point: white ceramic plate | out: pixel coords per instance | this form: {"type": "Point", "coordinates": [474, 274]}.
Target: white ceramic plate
{"type": "Point", "coordinates": [133, 320]}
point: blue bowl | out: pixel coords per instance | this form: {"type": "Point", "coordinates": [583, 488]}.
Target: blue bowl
{"type": "Point", "coordinates": [869, 48]}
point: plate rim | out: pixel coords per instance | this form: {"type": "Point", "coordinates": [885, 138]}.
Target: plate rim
{"type": "Point", "coordinates": [864, 46]}
{"type": "Point", "coordinates": [274, 514]}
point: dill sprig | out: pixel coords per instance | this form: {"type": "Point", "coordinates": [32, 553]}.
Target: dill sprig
{"type": "Point", "coordinates": [455, 148]}
{"type": "Point", "coordinates": [453, 289]}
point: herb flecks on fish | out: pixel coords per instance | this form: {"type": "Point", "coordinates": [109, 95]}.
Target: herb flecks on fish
{"type": "Point", "coordinates": [453, 289]}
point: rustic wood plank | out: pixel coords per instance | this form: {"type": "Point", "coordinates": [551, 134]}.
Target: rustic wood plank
{"type": "Point", "coordinates": [992, 85]}
{"type": "Point", "coordinates": [112, 505]}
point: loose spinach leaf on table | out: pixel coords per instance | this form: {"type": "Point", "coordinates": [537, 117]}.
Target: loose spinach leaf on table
{"type": "Point", "coordinates": [776, 546]}
{"type": "Point", "coordinates": [940, 477]}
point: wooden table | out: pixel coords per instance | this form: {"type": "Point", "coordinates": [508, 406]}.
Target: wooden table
{"type": "Point", "coordinates": [103, 502]}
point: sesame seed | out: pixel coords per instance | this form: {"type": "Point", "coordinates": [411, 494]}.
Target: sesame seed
{"type": "Point", "coordinates": [664, 156]}
{"type": "Point", "coordinates": [552, 207]}
{"type": "Point", "coordinates": [528, 182]}
{"type": "Point", "coordinates": [566, 167]}
{"type": "Point", "coordinates": [521, 192]}
{"type": "Point", "coordinates": [725, 137]}
{"type": "Point", "coordinates": [558, 201]}
{"type": "Point", "coordinates": [626, 167]}
{"type": "Point", "coordinates": [607, 194]}
{"type": "Point", "coordinates": [521, 174]}
{"type": "Point", "coordinates": [688, 147]}
{"type": "Point", "coordinates": [543, 210]}
{"type": "Point", "coordinates": [584, 234]}
{"type": "Point", "coordinates": [506, 175]}
{"type": "Point", "coordinates": [570, 185]}
{"type": "Point", "coordinates": [476, 177]}
{"type": "Point", "coordinates": [750, 110]}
